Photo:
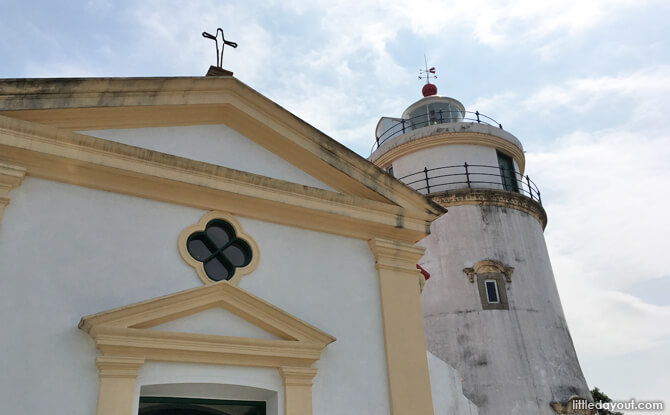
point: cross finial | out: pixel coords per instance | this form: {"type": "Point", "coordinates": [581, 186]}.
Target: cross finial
{"type": "Point", "coordinates": [426, 73]}
{"type": "Point", "coordinates": [219, 57]}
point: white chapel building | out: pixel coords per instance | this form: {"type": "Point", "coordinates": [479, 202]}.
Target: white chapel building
{"type": "Point", "coordinates": [187, 246]}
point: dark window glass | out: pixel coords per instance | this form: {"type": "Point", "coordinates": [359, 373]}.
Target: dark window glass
{"type": "Point", "coordinates": [219, 248]}
{"type": "Point", "coordinates": [198, 249]}
{"type": "Point", "coordinates": [491, 291]}
{"type": "Point", "coordinates": [220, 232]}
{"type": "Point", "coordinates": [238, 253]}
{"type": "Point", "coordinates": [217, 269]}
{"type": "Point", "coordinates": [507, 173]}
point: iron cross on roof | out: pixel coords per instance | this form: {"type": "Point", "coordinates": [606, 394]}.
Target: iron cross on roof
{"type": "Point", "coordinates": [219, 57]}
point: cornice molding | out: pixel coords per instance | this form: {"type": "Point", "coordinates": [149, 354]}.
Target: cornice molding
{"type": "Point", "coordinates": [205, 349]}
{"type": "Point", "coordinates": [133, 318]}
{"type": "Point", "coordinates": [78, 159]}
{"type": "Point", "coordinates": [395, 255]}
{"type": "Point", "coordinates": [450, 138]}
{"type": "Point", "coordinates": [11, 177]}
{"type": "Point", "coordinates": [492, 197]}
{"type": "Point", "coordinates": [297, 375]}
{"type": "Point", "coordinates": [103, 103]}
{"type": "Point", "coordinates": [118, 366]}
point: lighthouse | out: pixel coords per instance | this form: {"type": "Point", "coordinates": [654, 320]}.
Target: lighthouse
{"type": "Point", "coordinates": [491, 308]}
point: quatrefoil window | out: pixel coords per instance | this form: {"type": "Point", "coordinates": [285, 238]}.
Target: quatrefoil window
{"type": "Point", "coordinates": [218, 249]}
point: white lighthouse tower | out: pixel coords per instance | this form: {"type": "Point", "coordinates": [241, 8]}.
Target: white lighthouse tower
{"type": "Point", "coordinates": [491, 308]}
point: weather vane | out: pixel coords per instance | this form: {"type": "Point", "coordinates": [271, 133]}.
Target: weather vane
{"type": "Point", "coordinates": [219, 57]}
{"type": "Point", "coordinates": [426, 73]}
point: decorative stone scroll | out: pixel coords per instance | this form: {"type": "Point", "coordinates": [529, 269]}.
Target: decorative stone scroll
{"type": "Point", "coordinates": [488, 265]}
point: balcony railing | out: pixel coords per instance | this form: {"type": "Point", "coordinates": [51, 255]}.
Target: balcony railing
{"type": "Point", "coordinates": [477, 176]}
{"type": "Point", "coordinates": [440, 117]}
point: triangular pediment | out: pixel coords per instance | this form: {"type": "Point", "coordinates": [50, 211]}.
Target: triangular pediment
{"type": "Point", "coordinates": [154, 312]}
{"type": "Point", "coordinates": [109, 103]}
{"type": "Point", "coordinates": [215, 321]}
{"type": "Point", "coordinates": [131, 330]}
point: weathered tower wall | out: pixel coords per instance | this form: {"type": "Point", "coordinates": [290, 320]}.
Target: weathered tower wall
{"type": "Point", "coordinates": [517, 360]}
{"type": "Point", "coordinates": [491, 307]}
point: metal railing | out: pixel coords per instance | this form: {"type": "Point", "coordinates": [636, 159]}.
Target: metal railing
{"type": "Point", "coordinates": [440, 117]}
{"type": "Point", "coordinates": [478, 176]}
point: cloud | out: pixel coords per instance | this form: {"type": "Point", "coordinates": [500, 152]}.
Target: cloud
{"type": "Point", "coordinates": [645, 91]}
{"type": "Point", "coordinates": [323, 76]}
{"type": "Point", "coordinates": [603, 183]}
{"type": "Point", "coordinates": [605, 193]}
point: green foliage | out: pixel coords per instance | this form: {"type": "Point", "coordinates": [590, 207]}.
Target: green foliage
{"type": "Point", "coordinates": [600, 396]}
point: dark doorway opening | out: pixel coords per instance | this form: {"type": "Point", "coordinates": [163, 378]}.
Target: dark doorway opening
{"type": "Point", "coordinates": [158, 405]}
{"type": "Point", "coordinates": [507, 173]}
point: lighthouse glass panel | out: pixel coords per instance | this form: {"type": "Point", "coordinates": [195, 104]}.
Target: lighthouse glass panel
{"type": "Point", "coordinates": [435, 113]}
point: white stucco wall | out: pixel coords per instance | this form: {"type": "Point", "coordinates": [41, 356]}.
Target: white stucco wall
{"type": "Point", "coordinates": [447, 390]}
{"type": "Point", "coordinates": [452, 127]}
{"type": "Point", "coordinates": [447, 155]}
{"type": "Point", "coordinates": [451, 155]}
{"type": "Point", "coordinates": [68, 251]}
{"type": "Point", "coordinates": [216, 144]}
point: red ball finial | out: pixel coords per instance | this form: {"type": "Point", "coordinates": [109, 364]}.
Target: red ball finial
{"type": "Point", "coordinates": [428, 90]}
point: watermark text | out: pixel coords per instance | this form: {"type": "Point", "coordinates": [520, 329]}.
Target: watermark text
{"type": "Point", "coordinates": [614, 406]}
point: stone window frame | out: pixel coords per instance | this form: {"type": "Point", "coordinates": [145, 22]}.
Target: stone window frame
{"type": "Point", "coordinates": [125, 339]}
{"type": "Point", "coordinates": [499, 278]}
{"type": "Point", "coordinates": [488, 269]}
{"type": "Point", "coordinates": [240, 234]}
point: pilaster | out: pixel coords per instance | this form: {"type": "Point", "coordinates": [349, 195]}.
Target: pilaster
{"type": "Point", "coordinates": [404, 341]}
{"type": "Point", "coordinates": [116, 391]}
{"type": "Point", "coordinates": [297, 389]}
{"type": "Point", "coordinates": [11, 177]}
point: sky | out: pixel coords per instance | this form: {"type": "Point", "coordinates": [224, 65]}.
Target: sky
{"type": "Point", "coordinates": [584, 84]}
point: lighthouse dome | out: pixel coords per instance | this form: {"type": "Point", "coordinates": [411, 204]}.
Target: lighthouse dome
{"type": "Point", "coordinates": [434, 109]}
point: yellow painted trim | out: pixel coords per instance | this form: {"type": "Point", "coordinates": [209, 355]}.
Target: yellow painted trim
{"type": "Point", "coordinates": [11, 177]}
{"type": "Point", "coordinates": [81, 104]}
{"type": "Point", "coordinates": [222, 294]}
{"type": "Point", "coordinates": [116, 389]}
{"type": "Point", "coordinates": [404, 341]}
{"type": "Point", "coordinates": [123, 337]}
{"type": "Point", "coordinates": [471, 138]}
{"type": "Point", "coordinates": [297, 382]}
{"type": "Point", "coordinates": [54, 154]}
{"type": "Point", "coordinates": [198, 266]}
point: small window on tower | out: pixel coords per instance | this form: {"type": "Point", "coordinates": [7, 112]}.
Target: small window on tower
{"type": "Point", "coordinates": [492, 292]}
{"type": "Point", "coordinates": [390, 171]}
